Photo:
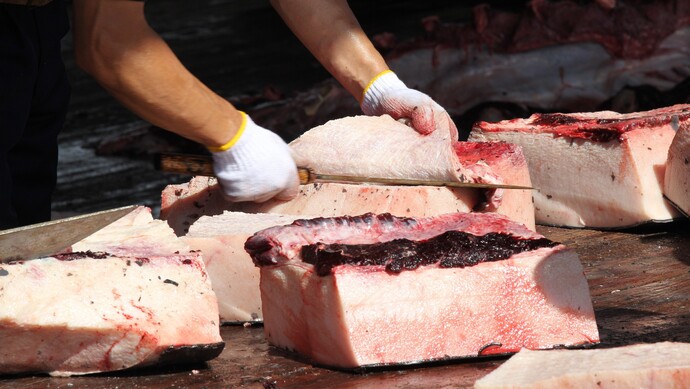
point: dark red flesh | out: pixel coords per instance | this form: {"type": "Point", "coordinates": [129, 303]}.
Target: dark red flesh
{"type": "Point", "coordinates": [450, 249]}
{"type": "Point", "coordinates": [632, 29]}
{"type": "Point", "coordinates": [81, 255]}
{"type": "Point", "coordinates": [590, 128]}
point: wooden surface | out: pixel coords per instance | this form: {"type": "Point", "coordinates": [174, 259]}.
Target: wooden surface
{"type": "Point", "coordinates": [640, 286]}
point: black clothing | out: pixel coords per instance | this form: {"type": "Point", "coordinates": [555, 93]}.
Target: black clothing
{"type": "Point", "coordinates": [34, 95]}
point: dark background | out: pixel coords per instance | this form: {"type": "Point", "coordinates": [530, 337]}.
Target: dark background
{"type": "Point", "coordinates": [241, 49]}
{"type": "Point", "coordinates": [237, 48]}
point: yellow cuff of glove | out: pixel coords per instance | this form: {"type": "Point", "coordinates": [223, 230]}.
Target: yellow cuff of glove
{"type": "Point", "coordinates": [373, 80]}
{"type": "Point", "coordinates": [234, 139]}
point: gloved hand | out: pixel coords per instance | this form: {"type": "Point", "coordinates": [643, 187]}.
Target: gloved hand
{"type": "Point", "coordinates": [386, 94]}
{"type": "Point", "coordinates": [255, 165]}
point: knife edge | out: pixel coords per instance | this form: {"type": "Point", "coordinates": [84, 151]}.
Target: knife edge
{"type": "Point", "coordinates": [203, 165]}
{"type": "Point", "coordinates": [47, 238]}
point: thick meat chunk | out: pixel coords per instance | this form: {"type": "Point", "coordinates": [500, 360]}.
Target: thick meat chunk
{"type": "Point", "coordinates": [657, 365]}
{"type": "Point", "coordinates": [369, 146]}
{"type": "Point", "coordinates": [89, 311]}
{"type": "Point", "coordinates": [183, 204]}
{"type": "Point", "coordinates": [677, 178]}
{"type": "Point", "coordinates": [135, 234]}
{"type": "Point", "coordinates": [599, 169]}
{"type": "Point", "coordinates": [401, 302]}
{"type": "Point", "coordinates": [508, 162]}
{"type": "Point", "coordinates": [376, 147]}
{"type": "Point", "coordinates": [234, 277]}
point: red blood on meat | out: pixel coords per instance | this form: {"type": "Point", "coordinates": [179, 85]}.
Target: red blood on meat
{"type": "Point", "coordinates": [82, 255]}
{"type": "Point", "coordinates": [450, 249]}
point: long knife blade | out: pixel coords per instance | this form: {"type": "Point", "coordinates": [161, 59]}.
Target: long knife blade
{"type": "Point", "coordinates": [44, 239]}
{"type": "Point", "coordinates": [203, 165]}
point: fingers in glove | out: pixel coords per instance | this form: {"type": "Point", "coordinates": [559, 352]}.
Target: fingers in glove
{"type": "Point", "coordinates": [426, 119]}
{"type": "Point", "coordinates": [423, 119]}
{"type": "Point", "coordinates": [258, 193]}
{"type": "Point", "coordinates": [290, 192]}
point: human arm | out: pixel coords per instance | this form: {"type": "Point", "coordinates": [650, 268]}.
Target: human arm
{"type": "Point", "coordinates": [139, 69]}
{"type": "Point", "coordinates": [331, 32]}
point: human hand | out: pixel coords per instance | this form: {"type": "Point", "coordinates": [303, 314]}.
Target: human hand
{"type": "Point", "coordinates": [255, 166]}
{"type": "Point", "coordinates": [386, 94]}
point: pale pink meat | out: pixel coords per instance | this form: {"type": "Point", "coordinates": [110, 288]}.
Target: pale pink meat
{"type": "Point", "coordinates": [677, 176]}
{"type": "Point", "coordinates": [377, 147]}
{"type": "Point", "coordinates": [236, 281]}
{"type": "Point", "coordinates": [183, 204]}
{"type": "Point", "coordinates": [598, 169]}
{"type": "Point", "coordinates": [655, 365]}
{"type": "Point", "coordinates": [234, 277]}
{"type": "Point", "coordinates": [508, 161]}
{"type": "Point", "coordinates": [104, 307]}
{"type": "Point", "coordinates": [136, 233]}
{"type": "Point", "coordinates": [359, 316]}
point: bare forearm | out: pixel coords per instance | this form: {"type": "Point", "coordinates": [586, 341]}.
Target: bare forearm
{"type": "Point", "coordinates": [332, 34]}
{"type": "Point", "coordinates": [138, 68]}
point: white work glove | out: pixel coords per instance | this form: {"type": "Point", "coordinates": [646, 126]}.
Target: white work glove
{"type": "Point", "coordinates": [255, 165]}
{"type": "Point", "coordinates": [386, 94]}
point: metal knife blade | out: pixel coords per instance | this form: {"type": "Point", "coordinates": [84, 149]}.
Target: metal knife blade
{"type": "Point", "coordinates": [203, 165]}
{"type": "Point", "coordinates": [44, 239]}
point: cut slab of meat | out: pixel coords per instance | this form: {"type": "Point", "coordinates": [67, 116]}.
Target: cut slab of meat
{"type": "Point", "coordinates": [656, 365]}
{"type": "Point", "coordinates": [86, 311]}
{"type": "Point", "coordinates": [598, 169]}
{"type": "Point", "coordinates": [507, 161]}
{"type": "Point", "coordinates": [379, 146]}
{"type": "Point", "coordinates": [677, 178]}
{"type": "Point", "coordinates": [183, 204]}
{"type": "Point", "coordinates": [234, 277]}
{"type": "Point", "coordinates": [354, 292]}
{"type": "Point", "coordinates": [375, 147]}
{"type": "Point", "coordinates": [135, 234]}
